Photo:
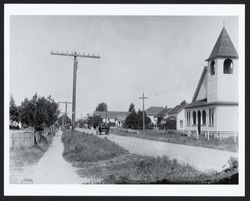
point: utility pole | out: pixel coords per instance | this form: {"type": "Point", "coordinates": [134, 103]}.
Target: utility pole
{"type": "Point", "coordinates": [143, 116]}
{"type": "Point", "coordinates": [106, 112]}
{"type": "Point", "coordinates": [65, 114]}
{"type": "Point", "coordinates": [75, 55]}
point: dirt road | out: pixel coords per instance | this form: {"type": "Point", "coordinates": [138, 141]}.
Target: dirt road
{"type": "Point", "coordinates": [203, 159]}
{"type": "Point", "coordinates": [51, 168]}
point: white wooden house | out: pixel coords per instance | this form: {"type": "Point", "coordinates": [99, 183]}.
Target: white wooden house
{"type": "Point", "coordinates": [162, 115]}
{"type": "Point", "coordinates": [152, 113]}
{"type": "Point", "coordinates": [112, 116]}
{"type": "Point", "coordinates": [178, 114]}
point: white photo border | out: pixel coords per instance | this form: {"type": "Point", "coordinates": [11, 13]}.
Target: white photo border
{"type": "Point", "coordinates": [139, 10]}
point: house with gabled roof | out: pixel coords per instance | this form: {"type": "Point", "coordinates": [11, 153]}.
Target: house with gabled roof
{"type": "Point", "coordinates": [117, 117]}
{"type": "Point", "coordinates": [152, 112]}
{"type": "Point", "coordinates": [177, 114]}
{"type": "Point", "coordinates": [214, 107]}
{"type": "Point", "coordinates": [161, 115]}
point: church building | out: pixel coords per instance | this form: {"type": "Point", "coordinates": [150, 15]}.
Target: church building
{"type": "Point", "coordinates": [214, 107]}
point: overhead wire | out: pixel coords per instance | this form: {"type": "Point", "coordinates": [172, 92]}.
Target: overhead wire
{"type": "Point", "coordinates": [95, 25]}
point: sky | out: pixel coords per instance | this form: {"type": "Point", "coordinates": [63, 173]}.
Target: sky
{"type": "Point", "coordinates": [162, 56]}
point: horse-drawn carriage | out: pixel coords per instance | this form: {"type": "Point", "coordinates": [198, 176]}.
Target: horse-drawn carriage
{"type": "Point", "coordinates": [103, 128]}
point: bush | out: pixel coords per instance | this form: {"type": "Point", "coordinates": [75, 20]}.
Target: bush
{"type": "Point", "coordinates": [14, 127]}
{"type": "Point", "coordinates": [112, 124]}
{"type": "Point", "coordinates": [233, 163]}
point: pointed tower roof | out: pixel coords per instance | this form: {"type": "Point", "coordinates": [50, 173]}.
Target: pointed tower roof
{"type": "Point", "coordinates": [223, 47]}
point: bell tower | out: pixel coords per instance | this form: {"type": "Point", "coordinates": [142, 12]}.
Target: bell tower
{"type": "Point", "coordinates": [222, 71]}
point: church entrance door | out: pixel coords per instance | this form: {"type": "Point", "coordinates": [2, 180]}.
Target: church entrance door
{"type": "Point", "coordinates": [199, 122]}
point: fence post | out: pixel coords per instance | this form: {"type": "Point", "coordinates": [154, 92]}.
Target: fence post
{"type": "Point", "coordinates": [208, 135]}
{"type": "Point", "coordinates": [197, 135]}
{"type": "Point", "coordinates": [220, 135]}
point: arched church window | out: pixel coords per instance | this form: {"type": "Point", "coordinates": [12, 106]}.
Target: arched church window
{"type": "Point", "coordinates": [194, 118]}
{"type": "Point", "coordinates": [204, 117]}
{"type": "Point", "coordinates": [228, 66]}
{"type": "Point", "coordinates": [212, 67]}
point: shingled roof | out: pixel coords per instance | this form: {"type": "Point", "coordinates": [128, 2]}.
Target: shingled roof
{"type": "Point", "coordinates": [223, 47]}
{"type": "Point", "coordinates": [164, 112]}
{"type": "Point", "coordinates": [111, 114]}
{"type": "Point", "coordinates": [177, 108]}
{"type": "Point", "coordinates": [153, 110]}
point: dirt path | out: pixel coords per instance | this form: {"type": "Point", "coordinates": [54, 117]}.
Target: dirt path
{"type": "Point", "coordinates": [203, 159]}
{"type": "Point", "coordinates": [51, 168]}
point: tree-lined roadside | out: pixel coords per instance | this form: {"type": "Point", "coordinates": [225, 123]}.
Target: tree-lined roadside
{"type": "Point", "coordinates": [35, 117]}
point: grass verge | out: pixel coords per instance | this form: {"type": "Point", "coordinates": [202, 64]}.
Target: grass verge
{"type": "Point", "coordinates": [179, 138]}
{"type": "Point", "coordinates": [107, 163]}
{"type": "Point", "coordinates": [79, 147]}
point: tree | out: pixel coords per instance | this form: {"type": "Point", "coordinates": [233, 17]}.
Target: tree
{"type": "Point", "coordinates": [131, 121]}
{"type": "Point", "coordinates": [131, 107]}
{"type": "Point", "coordinates": [102, 107]}
{"type": "Point", "coordinates": [27, 112]}
{"type": "Point", "coordinates": [13, 110]}
{"type": "Point", "coordinates": [81, 122]}
{"type": "Point", "coordinates": [94, 121]}
{"type": "Point", "coordinates": [135, 120]}
{"type": "Point", "coordinates": [60, 120]}
{"type": "Point", "coordinates": [39, 112]}
{"type": "Point", "coordinates": [140, 117]}
{"type": "Point", "coordinates": [52, 111]}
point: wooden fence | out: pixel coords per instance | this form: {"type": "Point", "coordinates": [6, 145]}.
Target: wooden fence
{"type": "Point", "coordinates": [214, 134]}
{"type": "Point", "coordinates": [21, 138]}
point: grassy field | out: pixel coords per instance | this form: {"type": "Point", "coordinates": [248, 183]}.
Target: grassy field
{"type": "Point", "coordinates": [179, 138]}
{"type": "Point", "coordinates": [107, 163]}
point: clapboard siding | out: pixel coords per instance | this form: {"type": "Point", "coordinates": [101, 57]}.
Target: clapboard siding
{"type": "Point", "coordinates": [227, 118]}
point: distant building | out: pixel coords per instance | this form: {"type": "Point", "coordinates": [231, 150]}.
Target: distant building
{"type": "Point", "coordinates": [112, 116]}
{"type": "Point", "coordinates": [214, 106]}
{"type": "Point", "coordinates": [152, 113]}
{"type": "Point", "coordinates": [162, 115]}
{"type": "Point", "coordinates": [178, 114]}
